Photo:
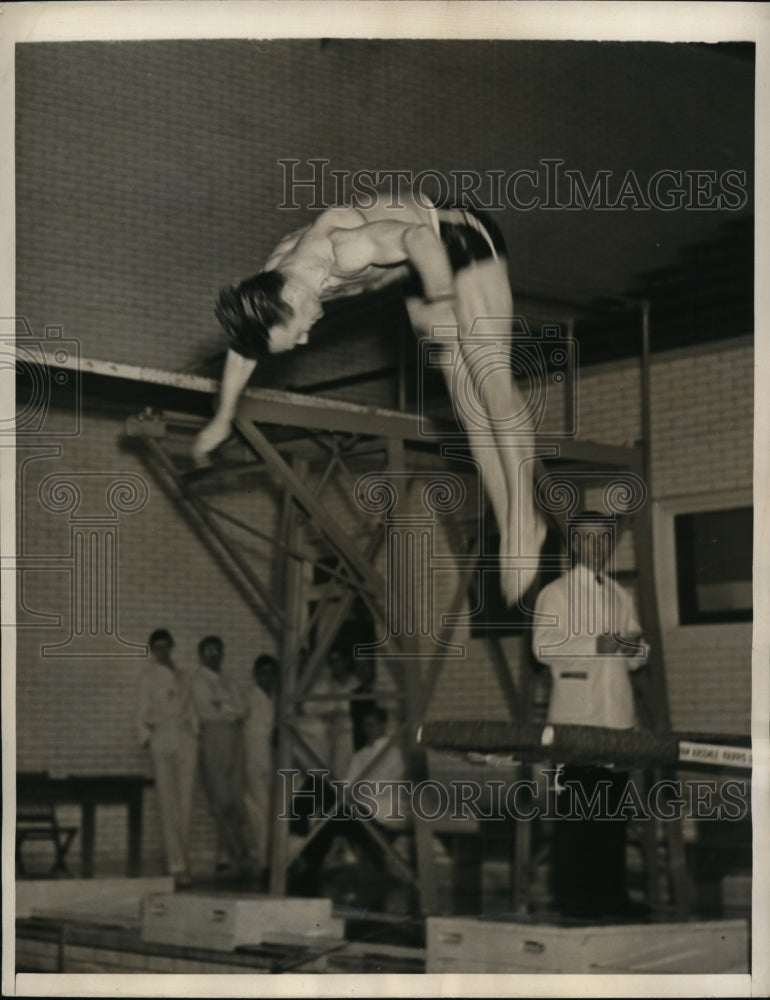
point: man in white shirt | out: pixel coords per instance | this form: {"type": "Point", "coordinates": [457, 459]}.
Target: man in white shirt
{"type": "Point", "coordinates": [589, 634]}
{"type": "Point", "coordinates": [220, 710]}
{"type": "Point", "coordinates": [168, 725]}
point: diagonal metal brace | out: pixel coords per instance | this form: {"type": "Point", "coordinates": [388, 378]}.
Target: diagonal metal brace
{"type": "Point", "coordinates": [341, 541]}
{"type": "Point", "coordinates": [211, 532]}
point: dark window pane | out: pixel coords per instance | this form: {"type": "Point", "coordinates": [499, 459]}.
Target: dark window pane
{"type": "Point", "coordinates": [713, 556]}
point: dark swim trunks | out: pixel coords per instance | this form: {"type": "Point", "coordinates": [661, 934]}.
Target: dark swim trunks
{"type": "Point", "coordinates": [470, 236]}
{"type": "Point", "coordinates": [475, 238]}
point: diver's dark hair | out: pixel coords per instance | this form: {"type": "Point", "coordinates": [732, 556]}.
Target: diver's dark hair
{"type": "Point", "coordinates": [247, 311]}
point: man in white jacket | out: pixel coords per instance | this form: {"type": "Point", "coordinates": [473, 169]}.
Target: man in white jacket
{"type": "Point", "coordinates": [220, 710]}
{"type": "Point", "coordinates": [168, 724]}
{"type": "Point", "coordinates": [589, 634]}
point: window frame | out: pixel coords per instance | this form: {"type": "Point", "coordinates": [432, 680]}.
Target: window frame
{"type": "Point", "coordinates": [667, 578]}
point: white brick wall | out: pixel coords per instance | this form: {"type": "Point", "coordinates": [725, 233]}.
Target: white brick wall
{"type": "Point", "coordinates": [702, 439]}
{"type": "Point", "coordinates": [76, 716]}
{"type": "Point", "coordinates": [107, 196]}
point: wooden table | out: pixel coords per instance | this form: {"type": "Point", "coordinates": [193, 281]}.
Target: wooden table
{"type": "Point", "coordinates": [88, 791]}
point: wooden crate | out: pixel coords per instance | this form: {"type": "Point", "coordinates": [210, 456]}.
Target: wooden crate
{"type": "Point", "coordinates": [471, 945]}
{"type": "Point", "coordinates": [88, 898]}
{"type": "Point", "coordinates": [224, 923]}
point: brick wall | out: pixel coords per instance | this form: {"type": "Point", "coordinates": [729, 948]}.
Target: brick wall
{"type": "Point", "coordinates": [148, 176]}
{"type": "Point", "coordinates": [75, 714]}
{"type": "Point", "coordinates": [129, 219]}
{"type": "Point", "coordinates": [702, 440]}
{"type": "Point", "coordinates": [702, 445]}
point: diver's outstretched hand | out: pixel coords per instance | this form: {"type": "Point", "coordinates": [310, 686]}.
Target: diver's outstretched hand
{"type": "Point", "coordinates": [216, 432]}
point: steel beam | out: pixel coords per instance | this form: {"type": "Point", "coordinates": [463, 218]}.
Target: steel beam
{"type": "Point", "coordinates": [291, 409]}
{"type": "Point", "coordinates": [337, 619]}
{"type": "Point", "coordinates": [292, 578]}
{"type": "Point", "coordinates": [339, 539]}
{"type": "Point", "coordinates": [417, 758]}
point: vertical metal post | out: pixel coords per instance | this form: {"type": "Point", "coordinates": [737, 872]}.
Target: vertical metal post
{"type": "Point", "coordinates": [570, 395]}
{"type": "Point", "coordinates": [292, 579]}
{"type": "Point", "coordinates": [658, 696]}
{"type": "Point", "coordinates": [645, 390]}
{"type": "Point", "coordinates": [416, 756]}
{"type": "Point", "coordinates": [655, 674]}
{"type": "Point", "coordinates": [402, 336]}
{"type": "Point", "coordinates": [522, 855]}
{"type": "Point", "coordinates": [649, 608]}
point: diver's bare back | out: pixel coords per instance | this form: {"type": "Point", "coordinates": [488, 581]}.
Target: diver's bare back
{"type": "Point", "coordinates": [317, 251]}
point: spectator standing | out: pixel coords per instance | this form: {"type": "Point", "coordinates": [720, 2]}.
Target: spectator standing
{"type": "Point", "coordinates": [220, 709]}
{"type": "Point", "coordinates": [168, 725]}
{"type": "Point", "coordinates": [590, 637]}
{"type": "Point", "coordinates": [259, 746]}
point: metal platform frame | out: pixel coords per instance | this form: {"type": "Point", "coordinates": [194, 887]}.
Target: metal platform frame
{"type": "Point", "coordinates": [338, 431]}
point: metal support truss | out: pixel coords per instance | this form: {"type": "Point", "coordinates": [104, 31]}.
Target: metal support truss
{"type": "Point", "coordinates": [336, 433]}
{"type": "Point", "coordinates": [354, 575]}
